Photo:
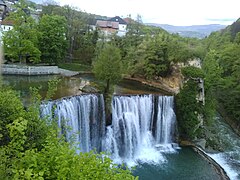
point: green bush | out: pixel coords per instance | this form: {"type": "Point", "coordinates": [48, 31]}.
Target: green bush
{"type": "Point", "coordinates": [188, 109]}
{"type": "Point", "coordinates": [31, 149]}
{"type": "Point", "coordinates": [192, 72]}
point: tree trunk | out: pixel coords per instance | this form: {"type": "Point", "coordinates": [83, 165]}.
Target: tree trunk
{"type": "Point", "coordinates": [107, 101]}
{"type": "Point", "coordinates": [106, 90]}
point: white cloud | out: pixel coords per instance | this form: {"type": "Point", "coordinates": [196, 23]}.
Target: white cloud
{"type": "Point", "coordinates": [176, 12]}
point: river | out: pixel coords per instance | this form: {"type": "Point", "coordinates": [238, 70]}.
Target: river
{"type": "Point", "coordinates": [182, 163]}
{"type": "Point", "coordinates": [229, 159]}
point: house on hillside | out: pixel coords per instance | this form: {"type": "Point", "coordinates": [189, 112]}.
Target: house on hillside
{"type": "Point", "coordinates": [5, 26]}
{"type": "Point", "coordinates": [107, 27]}
{"type": "Point", "coordinates": [122, 25]}
{"type": "Point", "coordinates": [112, 25]}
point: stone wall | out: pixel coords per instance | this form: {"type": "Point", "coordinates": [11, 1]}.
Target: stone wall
{"type": "Point", "coordinates": [29, 70]}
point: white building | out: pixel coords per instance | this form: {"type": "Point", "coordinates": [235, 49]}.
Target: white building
{"type": "Point", "coordinates": [113, 25]}
{"type": "Point", "coordinates": [122, 27]}
{"type": "Point", "coordinates": [5, 26]}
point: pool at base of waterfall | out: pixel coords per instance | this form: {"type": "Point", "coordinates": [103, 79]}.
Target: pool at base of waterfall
{"type": "Point", "coordinates": [185, 164]}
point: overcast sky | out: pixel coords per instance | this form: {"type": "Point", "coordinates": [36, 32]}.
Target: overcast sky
{"type": "Point", "coordinates": [174, 12]}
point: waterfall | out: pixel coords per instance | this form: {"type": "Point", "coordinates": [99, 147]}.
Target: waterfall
{"type": "Point", "coordinates": [81, 119]}
{"type": "Point", "coordinates": [141, 125]}
{"type": "Point", "coordinates": [142, 128]}
{"type": "Point", "coordinates": [165, 120]}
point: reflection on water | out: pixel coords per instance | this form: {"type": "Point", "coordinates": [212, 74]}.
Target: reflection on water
{"type": "Point", "coordinates": [69, 86]}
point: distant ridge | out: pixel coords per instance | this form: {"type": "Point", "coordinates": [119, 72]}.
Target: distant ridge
{"type": "Point", "coordinates": [198, 31]}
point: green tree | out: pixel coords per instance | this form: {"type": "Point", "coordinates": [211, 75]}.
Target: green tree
{"type": "Point", "coordinates": [10, 109]}
{"type": "Point", "coordinates": [52, 40]}
{"type": "Point", "coordinates": [212, 69]}
{"type": "Point", "coordinates": [108, 67]}
{"type": "Point", "coordinates": [21, 43]}
{"type": "Point", "coordinates": [56, 159]}
{"type": "Point", "coordinates": [188, 110]}
{"type": "Point", "coordinates": [157, 61]}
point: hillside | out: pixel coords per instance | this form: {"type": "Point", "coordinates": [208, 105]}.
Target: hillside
{"type": "Point", "coordinates": [232, 29]}
{"type": "Point", "coordinates": [198, 31]}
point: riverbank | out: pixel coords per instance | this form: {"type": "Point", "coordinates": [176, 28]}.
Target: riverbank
{"type": "Point", "coordinates": [220, 171]}
{"type": "Point", "coordinates": [170, 85]}
{"type": "Point", "coordinates": [163, 84]}
{"type": "Point", "coordinates": [233, 124]}
{"type": "Point", "coordinates": [12, 69]}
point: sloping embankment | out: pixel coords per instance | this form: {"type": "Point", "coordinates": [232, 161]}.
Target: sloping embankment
{"type": "Point", "coordinates": [10, 69]}
{"type": "Point", "coordinates": [156, 84]}
{"type": "Point", "coordinates": [222, 173]}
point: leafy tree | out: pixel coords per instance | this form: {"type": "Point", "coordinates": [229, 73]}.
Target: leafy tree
{"type": "Point", "coordinates": [212, 69]}
{"type": "Point", "coordinates": [157, 61]}
{"type": "Point", "coordinates": [188, 110]}
{"type": "Point", "coordinates": [21, 43]}
{"type": "Point", "coordinates": [81, 41]}
{"type": "Point", "coordinates": [10, 109]}
{"type": "Point", "coordinates": [107, 66]}
{"type": "Point", "coordinates": [192, 72]}
{"type": "Point", "coordinates": [53, 44]}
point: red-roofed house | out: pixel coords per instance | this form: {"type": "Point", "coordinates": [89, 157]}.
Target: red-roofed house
{"type": "Point", "coordinates": [5, 26]}
{"type": "Point", "coordinates": [113, 25]}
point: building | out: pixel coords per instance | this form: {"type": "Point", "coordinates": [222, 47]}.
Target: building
{"type": "Point", "coordinates": [6, 25]}
{"type": "Point", "coordinates": [107, 27]}
{"type": "Point", "coordinates": [122, 25]}
{"type": "Point", "coordinates": [112, 25]}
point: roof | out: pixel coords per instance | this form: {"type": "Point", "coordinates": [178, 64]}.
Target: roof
{"type": "Point", "coordinates": [7, 22]}
{"type": "Point", "coordinates": [128, 20]}
{"type": "Point", "coordinates": [117, 19]}
{"type": "Point", "coordinates": [107, 24]}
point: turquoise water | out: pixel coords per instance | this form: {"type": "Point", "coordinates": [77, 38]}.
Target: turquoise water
{"type": "Point", "coordinates": [183, 165]}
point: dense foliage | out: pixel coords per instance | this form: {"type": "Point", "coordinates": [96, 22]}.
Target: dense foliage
{"type": "Point", "coordinates": [220, 69]}
{"type": "Point", "coordinates": [223, 70]}
{"type": "Point", "coordinates": [52, 41]}
{"type": "Point", "coordinates": [31, 148]}
{"type": "Point", "coordinates": [107, 66]}
{"type": "Point", "coordinates": [59, 34]}
{"type": "Point", "coordinates": [21, 43]}
{"type": "Point", "coordinates": [188, 110]}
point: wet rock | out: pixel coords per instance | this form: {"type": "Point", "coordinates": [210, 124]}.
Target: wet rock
{"type": "Point", "coordinates": [89, 89]}
{"type": "Point", "coordinates": [201, 143]}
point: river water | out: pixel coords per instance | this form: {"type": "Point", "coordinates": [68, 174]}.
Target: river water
{"type": "Point", "coordinates": [69, 86]}
{"type": "Point", "coordinates": [229, 159]}
{"type": "Point", "coordinates": [182, 164]}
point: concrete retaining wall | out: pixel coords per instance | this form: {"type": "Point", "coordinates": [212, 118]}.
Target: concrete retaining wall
{"type": "Point", "coordinates": [29, 70]}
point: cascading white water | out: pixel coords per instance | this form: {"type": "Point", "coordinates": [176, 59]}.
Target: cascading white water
{"type": "Point", "coordinates": [131, 136]}
{"type": "Point", "coordinates": [165, 125]}
{"type": "Point", "coordinates": [80, 118]}
{"type": "Point", "coordinates": [142, 127]}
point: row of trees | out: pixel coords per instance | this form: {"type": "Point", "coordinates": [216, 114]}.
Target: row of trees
{"type": "Point", "coordinates": [224, 48]}
{"type": "Point", "coordinates": [60, 32]}
{"type": "Point", "coordinates": [220, 71]}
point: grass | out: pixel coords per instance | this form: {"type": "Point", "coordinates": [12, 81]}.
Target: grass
{"type": "Point", "coordinates": [75, 67]}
